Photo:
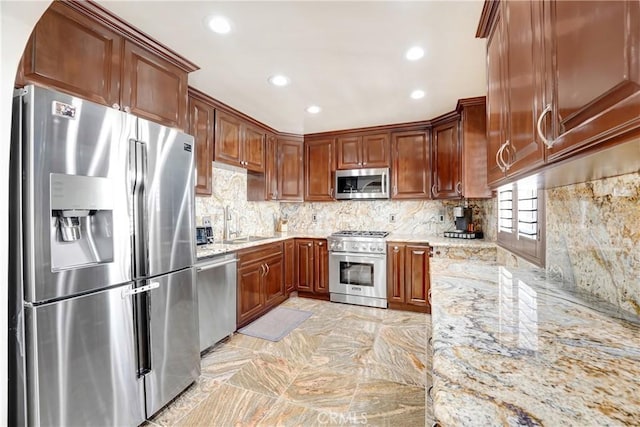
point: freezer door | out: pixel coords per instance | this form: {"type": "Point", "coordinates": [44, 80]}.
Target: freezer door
{"type": "Point", "coordinates": [75, 205]}
{"type": "Point", "coordinates": [165, 231]}
{"type": "Point", "coordinates": [81, 362]}
{"type": "Point", "coordinates": [175, 355]}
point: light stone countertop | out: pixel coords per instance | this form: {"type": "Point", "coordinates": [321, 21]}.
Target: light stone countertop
{"type": "Point", "coordinates": [512, 347]}
{"type": "Point", "coordinates": [207, 251]}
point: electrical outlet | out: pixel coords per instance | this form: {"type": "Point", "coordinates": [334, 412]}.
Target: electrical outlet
{"type": "Point", "coordinates": [206, 221]}
{"type": "Point", "coordinates": [392, 218]}
{"type": "Point", "coordinates": [314, 218]}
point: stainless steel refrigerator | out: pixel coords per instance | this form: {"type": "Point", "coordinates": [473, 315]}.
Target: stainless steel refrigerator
{"type": "Point", "coordinates": [103, 319]}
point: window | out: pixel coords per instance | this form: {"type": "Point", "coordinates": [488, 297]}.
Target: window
{"type": "Point", "coordinates": [521, 219]}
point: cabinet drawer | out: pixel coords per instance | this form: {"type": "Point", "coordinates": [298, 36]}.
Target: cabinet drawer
{"type": "Point", "coordinates": [254, 254]}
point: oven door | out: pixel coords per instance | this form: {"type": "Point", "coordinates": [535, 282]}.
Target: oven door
{"type": "Point", "coordinates": [358, 274]}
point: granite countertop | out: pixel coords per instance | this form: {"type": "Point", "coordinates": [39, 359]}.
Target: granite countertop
{"type": "Point", "coordinates": [513, 347]}
{"type": "Point", "coordinates": [207, 251]}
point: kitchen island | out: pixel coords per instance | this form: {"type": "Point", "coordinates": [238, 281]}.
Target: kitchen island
{"type": "Point", "coordinates": [513, 347]}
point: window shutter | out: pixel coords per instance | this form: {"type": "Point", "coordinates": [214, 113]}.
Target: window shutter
{"type": "Point", "coordinates": [527, 209]}
{"type": "Point", "coordinates": [505, 209]}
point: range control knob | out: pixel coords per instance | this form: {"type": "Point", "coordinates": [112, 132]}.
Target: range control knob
{"type": "Point", "coordinates": [380, 248]}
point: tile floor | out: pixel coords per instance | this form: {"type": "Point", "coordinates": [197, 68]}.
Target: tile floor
{"type": "Point", "coordinates": [345, 365]}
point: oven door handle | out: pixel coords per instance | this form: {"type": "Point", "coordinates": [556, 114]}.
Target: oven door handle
{"type": "Point", "coordinates": [358, 255]}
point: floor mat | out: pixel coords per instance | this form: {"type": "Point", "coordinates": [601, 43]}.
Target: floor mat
{"type": "Point", "coordinates": [276, 324]}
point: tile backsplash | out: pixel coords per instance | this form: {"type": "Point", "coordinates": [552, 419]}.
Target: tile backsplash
{"type": "Point", "coordinates": [259, 218]}
{"type": "Point", "coordinates": [593, 238]}
{"type": "Point", "coordinates": [230, 189]}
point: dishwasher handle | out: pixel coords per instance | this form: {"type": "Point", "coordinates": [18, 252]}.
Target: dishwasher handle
{"type": "Point", "coordinates": [215, 265]}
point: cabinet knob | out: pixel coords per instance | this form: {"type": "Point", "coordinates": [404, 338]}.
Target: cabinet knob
{"type": "Point", "coordinates": [116, 106]}
{"type": "Point", "coordinates": [127, 109]}
{"type": "Point", "coordinates": [396, 249]}
{"type": "Point", "coordinates": [319, 243]}
{"type": "Point", "coordinates": [359, 163]}
{"type": "Point", "coordinates": [309, 244]}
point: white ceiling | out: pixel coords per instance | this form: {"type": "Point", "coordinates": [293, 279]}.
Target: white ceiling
{"type": "Point", "coordinates": [346, 57]}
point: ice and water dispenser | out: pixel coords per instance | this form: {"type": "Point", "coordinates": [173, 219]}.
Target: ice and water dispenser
{"type": "Point", "coordinates": [81, 221]}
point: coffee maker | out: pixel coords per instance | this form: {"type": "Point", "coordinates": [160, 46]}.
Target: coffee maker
{"type": "Point", "coordinates": [462, 219]}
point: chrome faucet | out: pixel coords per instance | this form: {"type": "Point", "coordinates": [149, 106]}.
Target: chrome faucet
{"type": "Point", "coordinates": [228, 231]}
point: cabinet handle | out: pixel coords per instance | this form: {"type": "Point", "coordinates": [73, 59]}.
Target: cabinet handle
{"type": "Point", "coordinates": [433, 190]}
{"type": "Point", "coordinates": [268, 269]}
{"type": "Point", "coordinates": [395, 190]}
{"type": "Point", "coordinates": [263, 268]}
{"type": "Point", "coordinates": [116, 106]}
{"type": "Point", "coordinates": [546, 142]}
{"type": "Point", "coordinates": [127, 109]}
{"type": "Point", "coordinates": [429, 296]}
{"type": "Point", "coordinates": [331, 193]}
{"type": "Point", "coordinates": [500, 160]}
{"type": "Point", "coordinates": [459, 188]}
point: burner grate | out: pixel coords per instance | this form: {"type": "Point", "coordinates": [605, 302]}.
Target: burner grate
{"type": "Point", "coordinates": [358, 233]}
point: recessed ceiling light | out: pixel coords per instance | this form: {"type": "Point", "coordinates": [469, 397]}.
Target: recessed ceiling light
{"type": "Point", "coordinates": [279, 80]}
{"type": "Point", "coordinates": [414, 53]}
{"type": "Point", "coordinates": [417, 94]}
{"type": "Point", "coordinates": [313, 109]}
{"type": "Point", "coordinates": [219, 24]}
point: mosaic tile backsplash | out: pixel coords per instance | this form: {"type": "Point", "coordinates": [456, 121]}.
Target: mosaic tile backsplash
{"type": "Point", "coordinates": [593, 238]}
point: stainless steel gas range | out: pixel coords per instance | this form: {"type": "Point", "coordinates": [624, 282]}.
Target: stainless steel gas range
{"type": "Point", "coordinates": [358, 268]}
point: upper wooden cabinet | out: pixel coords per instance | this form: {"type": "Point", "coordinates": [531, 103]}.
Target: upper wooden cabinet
{"type": "Point", "coordinates": [446, 156]}
{"type": "Point", "coordinates": [239, 143]}
{"type": "Point", "coordinates": [595, 94]}
{"type": "Point", "coordinates": [563, 80]}
{"type": "Point", "coordinates": [201, 126]}
{"type": "Point", "coordinates": [362, 151]}
{"type": "Point", "coordinates": [459, 152]}
{"type": "Point", "coordinates": [319, 169]}
{"type": "Point", "coordinates": [410, 168]}
{"type": "Point", "coordinates": [283, 177]}
{"type": "Point", "coordinates": [107, 62]}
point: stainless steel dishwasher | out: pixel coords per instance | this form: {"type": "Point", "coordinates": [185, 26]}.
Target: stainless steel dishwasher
{"type": "Point", "coordinates": [216, 281]}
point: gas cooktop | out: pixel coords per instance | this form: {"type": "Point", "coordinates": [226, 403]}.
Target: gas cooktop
{"type": "Point", "coordinates": [356, 233]}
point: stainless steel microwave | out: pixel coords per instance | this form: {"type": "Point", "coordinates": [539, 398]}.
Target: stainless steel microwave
{"type": "Point", "coordinates": [362, 184]}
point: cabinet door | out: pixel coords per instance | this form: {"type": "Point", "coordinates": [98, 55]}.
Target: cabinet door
{"type": "Point", "coordinates": [446, 161]}
{"type": "Point", "coordinates": [289, 266]}
{"type": "Point", "coordinates": [321, 267]}
{"type": "Point", "coordinates": [201, 125]}
{"type": "Point", "coordinates": [290, 170]}
{"type": "Point", "coordinates": [318, 169]}
{"type": "Point", "coordinates": [253, 150]}
{"type": "Point", "coordinates": [270, 168]}
{"type": "Point", "coordinates": [597, 70]}
{"type": "Point", "coordinates": [417, 279]}
{"type": "Point", "coordinates": [496, 104]}
{"type": "Point", "coordinates": [395, 272]}
{"type": "Point", "coordinates": [153, 88]}
{"type": "Point", "coordinates": [72, 53]}
{"type": "Point", "coordinates": [348, 152]}
{"type": "Point", "coordinates": [227, 145]}
{"type": "Point", "coordinates": [410, 159]}
{"type": "Point", "coordinates": [525, 70]}
{"type": "Point", "coordinates": [250, 298]}
{"type": "Point", "coordinates": [304, 264]}
{"type": "Point", "coordinates": [375, 151]}
{"type": "Point", "coordinates": [273, 281]}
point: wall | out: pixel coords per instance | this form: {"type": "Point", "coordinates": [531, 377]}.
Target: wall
{"type": "Point", "coordinates": [411, 217]}
{"type": "Point", "coordinates": [259, 218]}
{"type": "Point", "coordinates": [17, 19]}
{"type": "Point", "coordinates": [593, 238]}
{"type": "Point", "coordinates": [230, 189]}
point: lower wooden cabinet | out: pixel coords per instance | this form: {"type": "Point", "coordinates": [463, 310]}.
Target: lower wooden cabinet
{"type": "Point", "coordinates": [408, 280]}
{"type": "Point", "coordinates": [289, 266]}
{"type": "Point", "coordinates": [312, 267]}
{"type": "Point", "coordinates": [261, 284]}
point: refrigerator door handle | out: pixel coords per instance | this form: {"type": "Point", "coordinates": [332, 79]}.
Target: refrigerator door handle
{"type": "Point", "coordinates": [140, 229]}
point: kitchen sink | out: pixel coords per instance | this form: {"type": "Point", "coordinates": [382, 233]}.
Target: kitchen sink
{"type": "Point", "coordinates": [245, 239]}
